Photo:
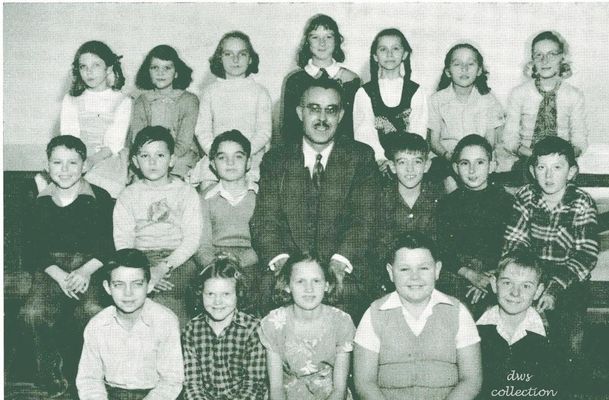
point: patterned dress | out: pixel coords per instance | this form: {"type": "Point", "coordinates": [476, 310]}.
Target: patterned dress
{"type": "Point", "coordinates": [308, 356]}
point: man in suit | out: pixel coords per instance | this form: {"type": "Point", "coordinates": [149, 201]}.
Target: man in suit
{"type": "Point", "coordinates": [319, 196]}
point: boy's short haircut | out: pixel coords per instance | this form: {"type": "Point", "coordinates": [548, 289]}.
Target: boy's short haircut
{"type": "Point", "coordinates": [553, 145]}
{"type": "Point", "coordinates": [69, 142]}
{"type": "Point", "coordinates": [230, 136]}
{"type": "Point", "coordinates": [407, 142]}
{"type": "Point", "coordinates": [412, 240]}
{"type": "Point", "coordinates": [472, 140]}
{"type": "Point", "coordinates": [522, 258]}
{"type": "Point", "coordinates": [130, 258]}
{"type": "Point", "coordinates": [152, 134]}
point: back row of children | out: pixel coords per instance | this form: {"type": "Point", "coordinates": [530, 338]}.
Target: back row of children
{"type": "Point", "coordinates": [161, 216]}
{"type": "Point", "coordinates": [96, 111]}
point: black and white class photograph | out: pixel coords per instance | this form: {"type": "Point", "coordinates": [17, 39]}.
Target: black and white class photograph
{"type": "Point", "coordinates": [306, 200]}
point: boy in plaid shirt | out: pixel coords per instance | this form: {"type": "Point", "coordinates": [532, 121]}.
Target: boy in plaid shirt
{"type": "Point", "coordinates": [223, 356]}
{"type": "Point", "coordinates": [558, 222]}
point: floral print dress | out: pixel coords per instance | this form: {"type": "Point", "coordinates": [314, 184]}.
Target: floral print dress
{"type": "Point", "coordinates": [308, 354]}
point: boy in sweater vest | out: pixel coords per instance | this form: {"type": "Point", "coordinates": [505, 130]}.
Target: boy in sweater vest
{"type": "Point", "coordinates": [416, 343]}
{"type": "Point", "coordinates": [227, 208]}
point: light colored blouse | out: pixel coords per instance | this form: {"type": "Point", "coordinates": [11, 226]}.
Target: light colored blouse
{"type": "Point", "coordinates": [100, 119]}
{"type": "Point", "coordinates": [391, 92]}
{"type": "Point", "coordinates": [455, 119]}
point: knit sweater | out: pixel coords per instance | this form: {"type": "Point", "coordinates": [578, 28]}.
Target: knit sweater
{"type": "Point", "coordinates": [240, 104]}
{"type": "Point", "coordinates": [471, 226]}
{"type": "Point", "coordinates": [226, 225]}
{"type": "Point", "coordinates": [164, 217]}
{"type": "Point", "coordinates": [177, 111]}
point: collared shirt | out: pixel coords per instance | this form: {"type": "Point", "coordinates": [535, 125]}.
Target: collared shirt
{"type": "Point", "coordinates": [332, 69]}
{"type": "Point", "coordinates": [231, 366]}
{"type": "Point", "coordinates": [566, 236]}
{"type": "Point", "coordinates": [532, 322]}
{"type": "Point", "coordinates": [454, 119]}
{"type": "Point", "coordinates": [467, 334]}
{"type": "Point", "coordinates": [84, 188]}
{"type": "Point", "coordinates": [233, 200]}
{"type": "Point", "coordinates": [83, 226]}
{"type": "Point", "coordinates": [146, 357]}
{"type": "Point", "coordinates": [310, 155]}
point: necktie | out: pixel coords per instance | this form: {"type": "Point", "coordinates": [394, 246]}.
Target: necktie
{"type": "Point", "coordinates": [324, 74]}
{"type": "Point", "coordinates": [318, 171]}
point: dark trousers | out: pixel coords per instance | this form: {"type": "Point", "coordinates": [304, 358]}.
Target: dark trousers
{"type": "Point", "coordinates": [51, 317]}
{"type": "Point", "coordinates": [115, 393]}
{"type": "Point", "coordinates": [180, 299]}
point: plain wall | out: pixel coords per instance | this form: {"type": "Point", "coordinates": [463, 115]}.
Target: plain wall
{"type": "Point", "coordinates": [40, 41]}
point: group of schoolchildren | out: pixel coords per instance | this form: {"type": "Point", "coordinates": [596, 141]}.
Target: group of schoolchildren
{"type": "Point", "coordinates": [518, 264]}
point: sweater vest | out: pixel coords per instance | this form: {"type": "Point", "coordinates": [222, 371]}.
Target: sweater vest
{"type": "Point", "coordinates": [417, 367]}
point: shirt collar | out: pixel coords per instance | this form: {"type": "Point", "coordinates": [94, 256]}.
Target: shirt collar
{"type": "Point", "coordinates": [437, 297]}
{"type": "Point", "coordinates": [238, 319]}
{"type": "Point", "coordinates": [532, 322]}
{"type": "Point", "coordinates": [473, 95]}
{"type": "Point", "coordinates": [145, 316]}
{"type": "Point", "coordinates": [569, 196]}
{"type": "Point", "coordinates": [310, 155]}
{"type": "Point", "coordinates": [53, 191]}
{"type": "Point", "coordinates": [219, 190]}
{"type": "Point", "coordinates": [332, 69]}
{"type": "Point", "coordinates": [172, 95]}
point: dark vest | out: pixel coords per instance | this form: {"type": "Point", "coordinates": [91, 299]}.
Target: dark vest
{"type": "Point", "coordinates": [397, 115]}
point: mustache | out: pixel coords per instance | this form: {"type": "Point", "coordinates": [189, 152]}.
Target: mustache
{"type": "Point", "coordinates": [322, 124]}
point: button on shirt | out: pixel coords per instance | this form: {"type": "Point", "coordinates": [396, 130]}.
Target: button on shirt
{"type": "Point", "coordinates": [147, 356]}
{"type": "Point", "coordinates": [467, 333]}
{"type": "Point", "coordinates": [532, 322]}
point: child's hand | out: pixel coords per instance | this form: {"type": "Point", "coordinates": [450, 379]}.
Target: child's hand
{"type": "Point", "coordinates": [480, 280]}
{"type": "Point", "coordinates": [63, 285]}
{"type": "Point", "coordinates": [338, 269]}
{"type": "Point", "coordinates": [78, 281]}
{"type": "Point", "coordinates": [383, 165]}
{"type": "Point", "coordinates": [158, 277]}
{"type": "Point", "coordinates": [546, 302]}
{"type": "Point", "coordinates": [476, 294]}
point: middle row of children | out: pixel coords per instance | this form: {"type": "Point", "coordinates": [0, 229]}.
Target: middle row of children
{"type": "Point", "coordinates": [390, 102]}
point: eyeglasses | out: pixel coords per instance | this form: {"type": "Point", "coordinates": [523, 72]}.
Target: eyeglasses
{"type": "Point", "coordinates": [551, 56]}
{"type": "Point", "coordinates": [331, 110]}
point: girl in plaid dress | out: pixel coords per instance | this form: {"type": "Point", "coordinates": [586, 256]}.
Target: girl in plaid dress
{"type": "Point", "coordinates": [223, 356]}
{"type": "Point", "coordinates": [307, 342]}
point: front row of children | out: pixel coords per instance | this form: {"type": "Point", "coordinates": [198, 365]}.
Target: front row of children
{"type": "Point", "coordinates": [414, 343]}
{"type": "Point", "coordinates": [152, 213]}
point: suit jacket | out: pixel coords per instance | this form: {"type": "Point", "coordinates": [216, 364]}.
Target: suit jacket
{"type": "Point", "coordinates": [348, 202]}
